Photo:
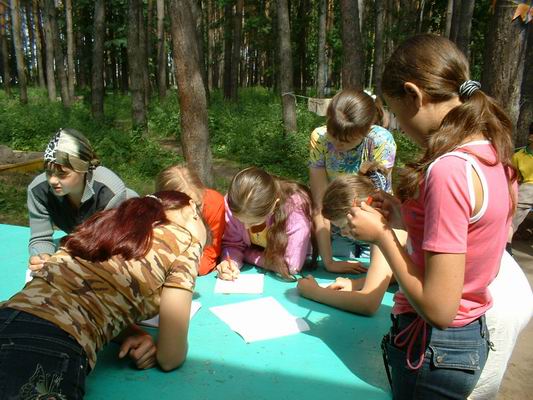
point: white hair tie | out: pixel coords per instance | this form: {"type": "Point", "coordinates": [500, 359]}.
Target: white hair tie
{"type": "Point", "coordinates": [467, 89]}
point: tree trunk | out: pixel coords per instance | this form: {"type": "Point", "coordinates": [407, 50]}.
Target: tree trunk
{"type": "Point", "coordinates": [504, 58]}
{"type": "Point", "coordinates": [70, 49]}
{"type": "Point", "coordinates": [17, 42]}
{"type": "Point", "coordinates": [330, 19]}
{"type": "Point", "coordinates": [143, 54]}
{"type": "Point", "coordinates": [449, 13]}
{"type": "Point", "coordinates": [161, 50]}
{"type": "Point", "coordinates": [135, 61]}
{"type": "Point", "coordinates": [378, 46]}
{"type": "Point", "coordinates": [210, 44]}
{"type": "Point", "coordinates": [38, 43]}
{"type": "Point", "coordinates": [192, 94]}
{"type": "Point", "coordinates": [4, 50]}
{"type": "Point", "coordinates": [301, 46]}
{"type": "Point", "coordinates": [525, 118]}
{"type": "Point", "coordinates": [236, 50]}
{"type": "Point", "coordinates": [199, 23]}
{"type": "Point", "coordinates": [465, 26]}
{"type": "Point", "coordinates": [228, 41]}
{"type": "Point", "coordinates": [49, 48]}
{"type": "Point", "coordinates": [124, 70]}
{"type": "Point", "coordinates": [30, 25]}
{"type": "Point", "coordinates": [97, 82]}
{"type": "Point", "coordinates": [322, 62]}
{"type": "Point", "coordinates": [50, 13]}
{"type": "Point", "coordinates": [285, 64]}
{"type": "Point", "coordinates": [456, 20]}
{"type": "Point", "coordinates": [352, 47]}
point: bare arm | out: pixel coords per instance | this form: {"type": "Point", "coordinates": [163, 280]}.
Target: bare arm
{"type": "Point", "coordinates": [174, 310]}
{"type": "Point", "coordinates": [319, 183]}
{"type": "Point", "coordinates": [436, 294]}
{"type": "Point", "coordinates": [360, 300]}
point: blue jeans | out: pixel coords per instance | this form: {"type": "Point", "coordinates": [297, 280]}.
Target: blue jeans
{"type": "Point", "coordinates": [344, 247]}
{"type": "Point", "coordinates": [453, 360]}
{"type": "Point", "coordinates": [38, 360]}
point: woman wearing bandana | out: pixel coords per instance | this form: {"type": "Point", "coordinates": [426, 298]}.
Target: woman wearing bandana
{"type": "Point", "coordinates": [73, 187]}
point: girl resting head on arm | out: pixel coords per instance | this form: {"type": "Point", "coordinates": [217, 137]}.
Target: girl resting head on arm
{"type": "Point", "coordinates": [182, 179]}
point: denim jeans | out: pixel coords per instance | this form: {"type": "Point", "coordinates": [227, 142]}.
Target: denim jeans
{"type": "Point", "coordinates": [344, 247]}
{"type": "Point", "coordinates": [453, 361]}
{"type": "Point", "coordinates": [38, 360]}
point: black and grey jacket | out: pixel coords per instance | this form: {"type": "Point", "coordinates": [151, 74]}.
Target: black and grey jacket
{"type": "Point", "coordinates": [103, 190]}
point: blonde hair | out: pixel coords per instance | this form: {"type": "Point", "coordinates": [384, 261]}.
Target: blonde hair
{"type": "Point", "coordinates": [255, 193]}
{"type": "Point", "coordinates": [341, 193]}
{"type": "Point", "coordinates": [439, 68]}
{"type": "Point", "coordinates": [181, 179]}
{"type": "Point", "coordinates": [350, 114]}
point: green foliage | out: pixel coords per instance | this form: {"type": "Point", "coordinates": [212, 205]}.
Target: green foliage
{"type": "Point", "coordinates": [250, 132]}
{"type": "Point", "coordinates": [131, 155]}
{"type": "Point", "coordinates": [13, 198]}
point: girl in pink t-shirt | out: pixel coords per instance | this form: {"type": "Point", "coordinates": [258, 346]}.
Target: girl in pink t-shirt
{"type": "Point", "coordinates": [457, 203]}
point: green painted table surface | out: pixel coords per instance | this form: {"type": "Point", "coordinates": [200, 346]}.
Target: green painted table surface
{"type": "Point", "coordinates": [339, 356]}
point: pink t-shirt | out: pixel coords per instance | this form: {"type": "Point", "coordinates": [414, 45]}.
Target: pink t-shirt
{"type": "Point", "coordinates": [441, 220]}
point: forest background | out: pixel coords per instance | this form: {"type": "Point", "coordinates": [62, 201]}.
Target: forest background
{"type": "Point", "coordinates": [224, 83]}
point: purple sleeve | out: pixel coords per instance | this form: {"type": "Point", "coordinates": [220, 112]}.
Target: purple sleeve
{"type": "Point", "coordinates": [235, 240]}
{"type": "Point", "coordinates": [254, 256]}
{"type": "Point", "coordinates": [298, 237]}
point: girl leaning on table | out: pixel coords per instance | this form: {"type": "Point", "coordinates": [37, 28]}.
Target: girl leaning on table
{"type": "Point", "coordinates": [73, 187]}
{"type": "Point", "coordinates": [458, 200]}
{"type": "Point", "coordinates": [120, 266]}
{"type": "Point", "coordinates": [268, 224]}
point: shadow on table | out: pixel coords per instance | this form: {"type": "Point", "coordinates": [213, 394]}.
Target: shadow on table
{"type": "Point", "coordinates": [205, 379]}
{"type": "Point", "coordinates": [355, 339]}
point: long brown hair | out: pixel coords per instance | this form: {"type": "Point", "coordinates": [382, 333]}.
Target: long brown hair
{"type": "Point", "coordinates": [181, 178]}
{"type": "Point", "coordinates": [126, 230]}
{"type": "Point", "coordinates": [254, 193]}
{"type": "Point", "coordinates": [350, 113]}
{"type": "Point", "coordinates": [439, 68]}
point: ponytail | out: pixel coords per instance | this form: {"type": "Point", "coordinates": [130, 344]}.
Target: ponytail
{"type": "Point", "coordinates": [440, 69]}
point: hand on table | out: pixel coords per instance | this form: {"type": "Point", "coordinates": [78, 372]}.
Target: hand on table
{"type": "Point", "coordinates": [345, 267]}
{"type": "Point", "coordinates": [307, 286]}
{"type": "Point", "coordinates": [347, 285]}
{"type": "Point", "coordinates": [37, 262]}
{"type": "Point", "coordinates": [228, 270]}
{"type": "Point", "coordinates": [141, 349]}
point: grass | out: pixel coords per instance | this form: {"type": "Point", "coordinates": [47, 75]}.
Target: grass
{"type": "Point", "coordinates": [247, 133]}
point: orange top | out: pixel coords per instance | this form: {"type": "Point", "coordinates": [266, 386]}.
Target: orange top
{"type": "Point", "coordinates": [213, 213]}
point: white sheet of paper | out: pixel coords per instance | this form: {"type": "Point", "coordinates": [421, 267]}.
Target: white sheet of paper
{"type": "Point", "coordinates": [260, 319]}
{"type": "Point", "coordinates": [154, 322]}
{"type": "Point", "coordinates": [244, 284]}
{"type": "Point", "coordinates": [29, 275]}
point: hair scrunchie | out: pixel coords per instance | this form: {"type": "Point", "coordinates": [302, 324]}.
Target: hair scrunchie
{"type": "Point", "coordinates": [468, 88]}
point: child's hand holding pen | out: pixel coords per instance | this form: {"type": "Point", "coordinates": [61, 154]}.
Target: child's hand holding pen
{"type": "Point", "coordinates": [228, 269]}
